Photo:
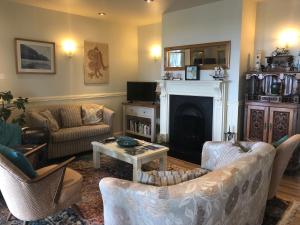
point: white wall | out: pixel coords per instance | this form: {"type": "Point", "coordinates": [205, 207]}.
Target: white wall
{"type": "Point", "coordinates": [219, 21]}
{"type": "Point", "coordinates": [22, 21]}
{"type": "Point", "coordinates": [149, 36]}
{"type": "Point", "coordinates": [273, 17]}
{"type": "Point", "coordinates": [247, 51]}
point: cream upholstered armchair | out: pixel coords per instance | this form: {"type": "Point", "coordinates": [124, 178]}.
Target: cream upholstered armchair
{"type": "Point", "coordinates": [284, 153]}
{"type": "Point", "coordinates": [55, 188]}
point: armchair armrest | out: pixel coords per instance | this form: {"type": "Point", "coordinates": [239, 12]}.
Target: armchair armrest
{"type": "Point", "coordinates": [212, 151]}
{"type": "Point", "coordinates": [61, 169]}
{"type": "Point", "coordinates": [108, 116]}
{"type": "Point", "coordinates": [35, 150]}
{"type": "Point", "coordinates": [62, 165]}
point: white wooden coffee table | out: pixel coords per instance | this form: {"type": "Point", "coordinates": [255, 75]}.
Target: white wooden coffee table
{"type": "Point", "coordinates": [113, 150]}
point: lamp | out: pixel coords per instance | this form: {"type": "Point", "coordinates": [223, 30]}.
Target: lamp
{"type": "Point", "coordinates": [155, 52]}
{"type": "Point", "coordinates": [289, 37]}
{"type": "Point", "coordinates": [69, 47]}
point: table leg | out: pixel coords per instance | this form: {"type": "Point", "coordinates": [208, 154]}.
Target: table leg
{"type": "Point", "coordinates": [136, 167]}
{"type": "Point", "coordinates": [96, 159]}
{"type": "Point", "coordinates": [163, 162]}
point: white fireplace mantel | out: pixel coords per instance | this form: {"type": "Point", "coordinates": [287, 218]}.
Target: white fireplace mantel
{"type": "Point", "coordinates": [215, 89]}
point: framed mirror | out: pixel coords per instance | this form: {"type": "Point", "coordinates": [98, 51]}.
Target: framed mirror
{"type": "Point", "coordinates": [206, 56]}
{"type": "Point", "coordinates": [177, 59]}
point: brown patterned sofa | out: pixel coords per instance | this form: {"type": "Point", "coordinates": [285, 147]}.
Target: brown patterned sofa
{"type": "Point", "coordinates": [234, 193]}
{"type": "Point", "coordinates": [72, 140]}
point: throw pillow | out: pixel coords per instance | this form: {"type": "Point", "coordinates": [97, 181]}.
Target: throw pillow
{"type": "Point", "coordinates": [280, 141]}
{"type": "Point", "coordinates": [37, 120]}
{"type": "Point", "coordinates": [167, 178]}
{"type": "Point", "coordinates": [51, 121]}
{"type": "Point", "coordinates": [10, 134]}
{"type": "Point", "coordinates": [19, 160]}
{"type": "Point", "coordinates": [92, 113]}
{"type": "Point", "coordinates": [71, 116]}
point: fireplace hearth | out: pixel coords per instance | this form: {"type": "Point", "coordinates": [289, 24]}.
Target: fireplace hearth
{"type": "Point", "coordinates": [190, 126]}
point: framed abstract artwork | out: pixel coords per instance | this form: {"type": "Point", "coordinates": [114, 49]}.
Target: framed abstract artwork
{"type": "Point", "coordinates": [35, 57]}
{"type": "Point", "coordinates": [96, 63]}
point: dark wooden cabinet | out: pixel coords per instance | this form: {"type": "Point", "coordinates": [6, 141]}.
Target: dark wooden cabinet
{"type": "Point", "coordinates": [269, 122]}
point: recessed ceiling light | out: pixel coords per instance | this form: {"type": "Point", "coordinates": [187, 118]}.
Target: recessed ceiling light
{"type": "Point", "coordinates": [102, 14]}
{"type": "Point", "coordinates": [149, 1]}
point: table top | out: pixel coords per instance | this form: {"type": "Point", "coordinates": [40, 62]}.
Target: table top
{"type": "Point", "coordinates": [141, 151]}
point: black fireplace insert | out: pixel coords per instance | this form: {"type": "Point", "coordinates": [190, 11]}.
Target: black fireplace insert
{"type": "Point", "coordinates": [190, 126]}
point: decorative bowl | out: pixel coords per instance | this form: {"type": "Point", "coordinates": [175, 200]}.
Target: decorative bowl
{"type": "Point", "coordinates": [127, 142]}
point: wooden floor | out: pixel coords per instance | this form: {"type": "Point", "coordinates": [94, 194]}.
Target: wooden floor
{"type": "Point", "coordinates": [290, 190]}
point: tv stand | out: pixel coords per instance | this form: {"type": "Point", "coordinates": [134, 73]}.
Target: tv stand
{"type": "Point", "coordinates": [140, 120]}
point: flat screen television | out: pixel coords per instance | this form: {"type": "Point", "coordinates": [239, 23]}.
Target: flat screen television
{"type": "Point", "coordinates": [141, 91]}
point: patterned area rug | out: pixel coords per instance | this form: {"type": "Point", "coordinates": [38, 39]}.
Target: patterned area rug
{"type": "Point", "coordinates": [91, 208]}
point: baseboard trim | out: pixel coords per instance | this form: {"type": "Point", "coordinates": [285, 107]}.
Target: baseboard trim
{"type": "Point", "coordinates": [76, 97]}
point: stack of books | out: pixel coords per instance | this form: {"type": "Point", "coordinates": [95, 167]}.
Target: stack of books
{"type": "Point", "coordinates": [139, 127]}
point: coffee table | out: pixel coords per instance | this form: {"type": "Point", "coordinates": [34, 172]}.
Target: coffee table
{"type": "Point", "coordinates": [114, 150]}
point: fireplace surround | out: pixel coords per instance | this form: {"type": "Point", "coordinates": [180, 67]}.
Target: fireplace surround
{"type": "Point", "coordinates": [215, 90]}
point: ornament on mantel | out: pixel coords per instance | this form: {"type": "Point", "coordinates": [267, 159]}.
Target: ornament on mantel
{"type": "Point", "coordinates": [218, 73]}
{"type": "Point", "coordinates": [230, 136]}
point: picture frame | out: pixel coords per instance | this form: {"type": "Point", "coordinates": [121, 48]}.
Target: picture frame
{"type": "Point", "coordinates": [192, 72]}
{"type": "Point", "coordinates": [34, 56]}
{"type": "Point", "coordinates": [96, 63]}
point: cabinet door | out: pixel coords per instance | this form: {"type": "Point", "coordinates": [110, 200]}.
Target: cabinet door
{"type": "Point", "coordinates": [281, 123]}
{"type": "Point", "coordinates": [257, 120]}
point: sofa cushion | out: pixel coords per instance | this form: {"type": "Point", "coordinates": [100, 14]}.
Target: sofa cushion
{"type": "Point", "coordinates": [51, 121]}
{"type": "Point", "coordinates": [37, 120]}
{"type": "Point", "coordinates": [19, 160]}
{"type": "Point", "coordinates": [166, 178]}
{"type": "Point", "coordinates": [92, 113]}
{"type": "Point", "coordinates": [71, 116]}
{"type": "Point", "coordinates": [74, 133]}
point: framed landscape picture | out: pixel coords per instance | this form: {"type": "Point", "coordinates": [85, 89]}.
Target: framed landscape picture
{"type": "Point", "coordinates": [192, 73]}
{"type": "Point", "coordinates": [35, 56]}
{"type": "Point", "coordinates": [96, 63]}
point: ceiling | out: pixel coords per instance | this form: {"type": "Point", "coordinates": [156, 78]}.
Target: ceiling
{"type": "Point", "coordinates": [136, 12]}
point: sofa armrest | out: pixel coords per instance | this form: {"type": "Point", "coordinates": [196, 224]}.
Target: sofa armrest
{"type": "Point", "coordinates": [108, 116]}
{"type": "Point", "coordinates": [131, 203]}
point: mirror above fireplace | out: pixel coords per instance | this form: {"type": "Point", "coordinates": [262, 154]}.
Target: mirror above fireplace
{"type": "Point", "coordinates": [207, 56]}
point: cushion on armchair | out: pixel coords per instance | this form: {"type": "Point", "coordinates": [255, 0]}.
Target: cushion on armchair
{"type": "Point", "coordinates": [166, 178]}
{"type": "Point", "coordinates": [92, 113]}
{"type": "Point", "coordinates": [19, 160]}
{"type": "Point", "coordinates": [71, 116]}
{"type": "Point", "coordinates": [10, 134]}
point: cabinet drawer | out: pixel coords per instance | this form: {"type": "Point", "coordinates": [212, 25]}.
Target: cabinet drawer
{"type": "Point", "coordinates": [139, 111]}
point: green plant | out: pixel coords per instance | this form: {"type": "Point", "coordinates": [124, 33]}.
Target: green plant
{"type": "Point", "coordinates": [8, 105]}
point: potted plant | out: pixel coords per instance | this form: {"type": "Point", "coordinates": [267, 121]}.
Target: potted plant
{"type": "Point", "coordinates": [8, 105]}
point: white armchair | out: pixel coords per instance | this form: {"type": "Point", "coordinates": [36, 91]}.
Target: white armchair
{"type": "Point", "coordinates": [233, 194]}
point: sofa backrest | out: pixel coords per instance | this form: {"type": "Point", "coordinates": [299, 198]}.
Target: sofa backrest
{"type": "Point", "coordinates": [54, 109]}
{"type": "Point", "coordinates": [234, 194]}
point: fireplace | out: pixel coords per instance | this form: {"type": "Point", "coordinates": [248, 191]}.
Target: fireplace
{"type": "Point", "coordinates": [190, 125]}
{"type": "Point", "coordinates": [210, 112]}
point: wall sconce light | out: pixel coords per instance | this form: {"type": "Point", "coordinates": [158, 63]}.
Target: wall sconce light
{"type": "Point", "coordinates": [69, 47]}
{"type": "Point", "coordinates": [155, 52]}
{"type": "Point", "coordinates": [289, 37]}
